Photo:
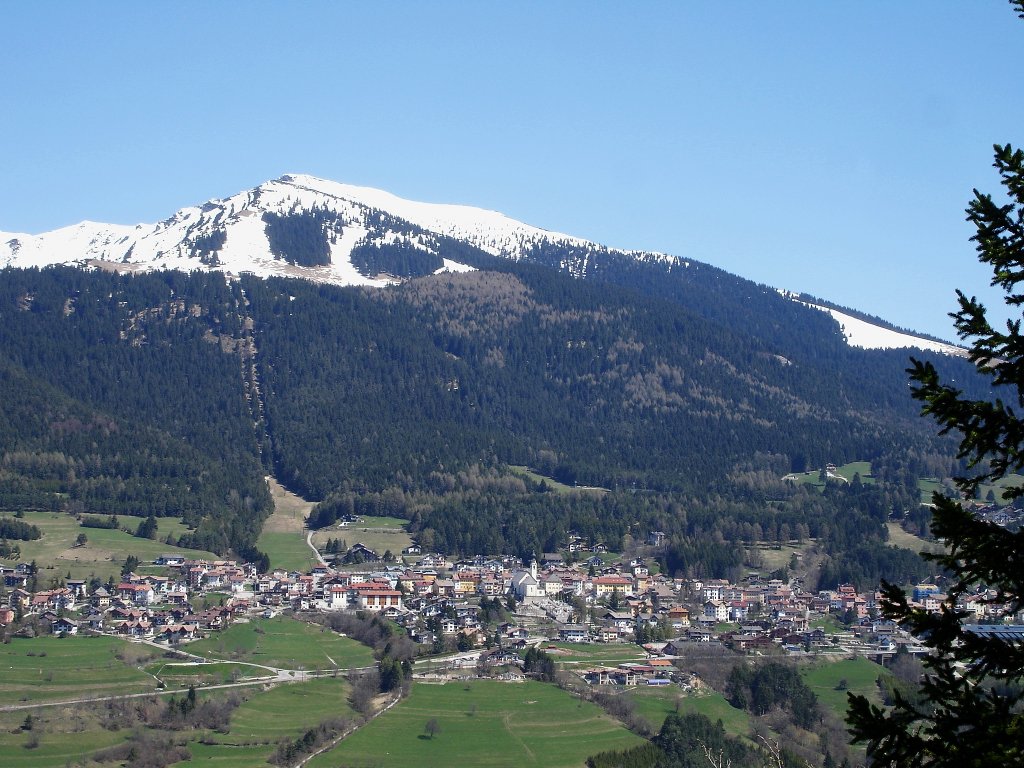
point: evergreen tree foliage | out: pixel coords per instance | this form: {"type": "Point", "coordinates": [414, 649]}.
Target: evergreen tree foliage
{"type": "Point", "coordinates": [11, 528]}
{"type": "Point", "coordinates": [302, 237]}
{"type": "Point", "coordinates": [773, 685]}
{"type": "Point", "coordinates": [970, 709]}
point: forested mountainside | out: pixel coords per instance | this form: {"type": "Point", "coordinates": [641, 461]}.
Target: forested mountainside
{"type": "Point", "coordinates": [129, 395]}
{"type": "Point", "coordinates": [175, 393]}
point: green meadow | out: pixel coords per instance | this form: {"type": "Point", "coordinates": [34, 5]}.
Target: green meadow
{"type": "Point", "coordinates": [483, 723]}
{"type": "Point", "coordinates": [104, 552]}
{"type": "Point", "coordinates": [176, 675]}
{"type": "Point", "coordinates": [281, 713]}
{"type": "Point", "coordinates": [378, 533]}
{"type": "Point", "coordinates": [52, 668]}
{"type": "Point", "coordinates": [574, 655]}
{"type": "Point", "coordinates": [67, 735]}
{"type": "Point", "coordinates": [287, 550]}
{"type": "Point", "coordinates": [846, 471]}
{"type": "Point", "coordinates": [860, 677]}
{"type": "Point", "coordinates": [655, 704]}
{"type": "Point", "coordinates": [285, 643]}
{"type": "Point", "coordinates": [283, 537]}
{"type": "Point", "coordinates": [553, 484]}
{"type": "Point", "coordinates": [44, 747]}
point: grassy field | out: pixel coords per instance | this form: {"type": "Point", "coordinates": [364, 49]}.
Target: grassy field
{"type": "Point", "coordinates": [284, 533]}
{"type": "Point", "coordinates": [860, 676]}
{"type": "Point", "coordinates": [554, 485]}
{"type": "Point", "coordinates": [103, 554]}
{"type": "Point", "coordinates": [284, 643]}
{"type": "Point", "coordinates": [67, 735]}
{"type": "Point", "coordinates": [776, 556]}
{"type": "Point", "coordinates": [284, 712]}
{"type": "Point", "coordinates": [54, 748]}
{"type": "Point", "coordinates": [655, 704]}
{"type": "Point", "coordinates": [182, 674]}
{"type": "Point", "coordinates": [284, 536]}
{"type": "Point", "coordinates": [51, 668]}
{"type": "Point", "coordinates": [287, 550]}
{"type": "Point", "coordinates": [900, 538]}
{"type": "Point", "coordinates": [846, 471]}
{"type": "Point", "coordinates": [378, 533]}
{"type": "Point", "coordinates": [829, 623]}
{"type": "Point", "coordinates": [221, 756]}
{"type": "Point", "coordinates": [862, 468]}
{"type": "Point", "coordinates": [586, 654]}
{"type": "Point", "coordinates": [483, 723]}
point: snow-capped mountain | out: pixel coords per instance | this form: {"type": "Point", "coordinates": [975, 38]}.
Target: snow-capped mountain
{"type": "Point", "coordinates": [303, 226]}
{"type": "Point", "coordinates": [233, 234]}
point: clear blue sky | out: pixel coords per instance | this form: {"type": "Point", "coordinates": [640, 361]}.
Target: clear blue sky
{"type": "Point", "coordinates": [818, 146]}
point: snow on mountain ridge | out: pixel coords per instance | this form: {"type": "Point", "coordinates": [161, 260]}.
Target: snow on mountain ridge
{"type": "Point", "coordinates": [490, 231]}
{"type": "Point", "coordinates": [861, 333]}
{"type": "Point", "coordinates": [230, 234]}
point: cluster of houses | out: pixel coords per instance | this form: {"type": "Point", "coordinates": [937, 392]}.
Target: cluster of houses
{"type": "Point", "coordinates": [156, 607]}
{"type": "Point", "coordinates": [435, 600]}
{"type": "Point", "coordinates": [1004, 517]}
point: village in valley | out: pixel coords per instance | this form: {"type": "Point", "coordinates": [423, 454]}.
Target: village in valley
{"type": "Point", "coordinates": [361, 613]}
{"type": "Point", "coordinates": [485, 611]}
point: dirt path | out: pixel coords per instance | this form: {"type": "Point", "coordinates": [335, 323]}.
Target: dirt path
{"type": "Point", "coordinates": [290, 511]}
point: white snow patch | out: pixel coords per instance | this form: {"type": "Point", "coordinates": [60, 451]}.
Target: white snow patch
{"type": "Point", "coordinates": [454, 266]}
{"type": "Point", "coordinates": [860, 333]}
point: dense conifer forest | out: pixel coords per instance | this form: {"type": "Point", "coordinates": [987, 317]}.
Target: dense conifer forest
{"type": "Point", "coordinates": [174, 394]}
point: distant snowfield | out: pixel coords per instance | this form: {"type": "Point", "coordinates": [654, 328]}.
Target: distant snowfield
{"type": "Point", "coordinates": [860, 333]}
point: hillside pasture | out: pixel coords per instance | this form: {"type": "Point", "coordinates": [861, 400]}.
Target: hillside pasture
{"type": "Point", "coordinates": [845, 472]}
{"type": "Point", "coordinates": [900, 538]}
{"type": "Point", "coordinates": [104, 552]}
{"type": "Point", "coordinates": [579, 655]}
{"type": "Point", "coordinates": [553, 484]}
{"type": "Point", "coordinates": [177, 675]}
{"type": "Point", "coordinates": [378, 533]}
{"type": "Point", "coordinates": [483, 723]}
{"type": "Point", "coordinates": [655, 704]}
{"type": "Point", "coordinates": [52, 747]}
{"type": "Point", "coordinates": [284, 643]}
{"type": "Point", "coordinates": [54, 668]}
{"type": "Point", "coordinates": [283, 537]}
{"type": "Point", "coordinates": [860, 676]}
{"type": "Point", "coordinates": [284, 712]}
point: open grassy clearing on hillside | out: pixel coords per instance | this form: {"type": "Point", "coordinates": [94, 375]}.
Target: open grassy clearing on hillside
{"type": "Point", "coordinates": [900, 538]}
{"type": "Point", "coordinates": [68, 734]}
{"type": "Point", "coordinates": [859, 673]}
{"type": "Point", "coordinates": [829, 623]}
{"type": "Point", "coordinates": [284, 643]}
{"type": "Point", "coordinates": [846, 471]}
{"type": "Point", "coordinates": [655, 704]}
{"type": "Point", "coordinates": [284, 533]}
{"type": "Point", "coordinates": [283, 537]}
{"type": "Point", "coordinates": [103, 554]}
{"type": "Point", "coordinates": [54, 748]}
{"type": "Point", "coordinates": [483, 723]}
{"type": "Point", "coordinates": [553, 484]}
{"type": "Point", "coordinates": [776, 556]}
{"type": "Point", "coordinates": [378, 533]}
{"type": "Point", "coordinates": [284, 712]}
{"type": "Point", "coordinates": [287, 550]}
{"type": "Point", "coordinates": [53, 668]}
